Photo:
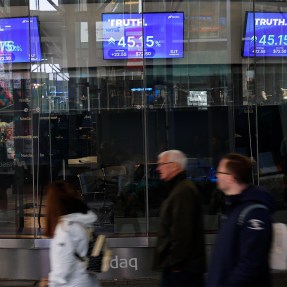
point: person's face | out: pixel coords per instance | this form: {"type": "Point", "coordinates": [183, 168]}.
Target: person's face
{"type": "Point", "coordinates": [167, 170]}
{"type": "Point", "coordinates": [225, 179]}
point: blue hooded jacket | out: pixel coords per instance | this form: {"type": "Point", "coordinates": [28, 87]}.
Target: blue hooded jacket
{"type": "Point", "coordinates": [241, 252]}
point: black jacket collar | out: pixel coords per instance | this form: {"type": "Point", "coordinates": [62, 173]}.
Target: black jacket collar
{"type": "Point", "coordinates": [169, 185]}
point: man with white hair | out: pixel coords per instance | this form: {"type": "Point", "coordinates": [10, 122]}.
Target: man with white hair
{"type": "Point", "coordinates": [179, 252]}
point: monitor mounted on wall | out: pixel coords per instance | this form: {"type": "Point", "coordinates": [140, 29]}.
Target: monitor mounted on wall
{"type": "Point", "coordinates": [146, 35]}
{"type": "Point", "coordinates": [265, 34]}
{"type": "Point", "coordinates": [19, 40]}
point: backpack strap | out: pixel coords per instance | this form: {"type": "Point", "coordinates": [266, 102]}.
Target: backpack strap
{"type": "Point", "coordinates": [246, 210]}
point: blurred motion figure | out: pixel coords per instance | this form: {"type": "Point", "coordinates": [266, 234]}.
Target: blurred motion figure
{"type": "Point", "coordinates": [241, 252]}
{"type": "Point", "coordinates": [67, 219]}
{"type": "Point", "coordinates": [180, 250]}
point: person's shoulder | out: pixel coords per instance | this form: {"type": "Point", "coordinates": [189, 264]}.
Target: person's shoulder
{"type": "Point", "coordinates": [190, 184]}
{"type": "Point", "coordinates": [187, 186]}
{"type": "Point", "coordinates": [258, 216]}
{"type": "Point", "coordinates": [73, 230]}
{"type": "Point", "coordinates": [62, 230]}
{"type": "Point", "coordinates": [77, 230]}
{"type": "Point", "coordinates": [259, 195]}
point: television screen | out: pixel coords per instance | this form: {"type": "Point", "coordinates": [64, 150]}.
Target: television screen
{"type": "Point", "coordinates": [19, 40]}
{"type": "Point", "coordinates": [197, 98]}
{"type": "Point", "coordinates": [147, 35]}
{"type": "Point", "coordinates": [265, 34]}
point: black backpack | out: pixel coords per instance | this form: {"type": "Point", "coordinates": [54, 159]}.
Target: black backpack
{"type": "Point", "coordinates": [98, 257]}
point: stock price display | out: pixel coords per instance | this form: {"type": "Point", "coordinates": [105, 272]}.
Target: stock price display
{"type": "Point", "coordinates": [270, 36]}
{"type": "Point", "coordinates": [20, 41]}
{"type": "Point", "coordinates": [147, 35]}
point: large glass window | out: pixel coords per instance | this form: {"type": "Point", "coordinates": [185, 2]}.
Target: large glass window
{"type": "Point", "coordinates": [92, 91]}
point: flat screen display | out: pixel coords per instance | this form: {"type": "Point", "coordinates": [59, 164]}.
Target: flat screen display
{"type": "Point", "coordinates": [197, 98]}
{"type": "Point", "coordinates": [19, 40]}
{"type": "Point", "coordinates": [147, 35]}
{"type": "Point", "coordinates": [265, 34]}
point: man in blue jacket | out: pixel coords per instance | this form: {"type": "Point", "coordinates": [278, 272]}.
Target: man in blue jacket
{"type": "Point", "coordinates": [241, 251]}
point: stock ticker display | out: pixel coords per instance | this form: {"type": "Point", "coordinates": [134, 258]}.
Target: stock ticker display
{"type": "Point", "coordinates": [147, 35]}
{"type": "Point", "coordinates": [19, 40]}
{"type": "Point", "coordinates": [265, 34]}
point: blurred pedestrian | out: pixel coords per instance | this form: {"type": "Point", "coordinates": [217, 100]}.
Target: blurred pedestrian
{"type": "Point", "coordinates": [241, 251]}
{"type": "Point", "coordinates": [180, 250]}
{"type": "Point", "coordinates": [67, 219]}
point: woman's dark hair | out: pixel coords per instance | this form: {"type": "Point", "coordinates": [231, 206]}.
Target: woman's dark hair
{"type": "Point", "coordinates": [240, 166]}
{"type": "Point", "coordinates": [62, 199]}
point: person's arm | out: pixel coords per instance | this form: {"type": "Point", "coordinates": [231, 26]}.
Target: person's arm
{"type": "Point", "coordinates": [62, 258]}
{"type": "Point", "coordinates": [185, 214]}
{"type": "Point", "coordinates": [253, 248]}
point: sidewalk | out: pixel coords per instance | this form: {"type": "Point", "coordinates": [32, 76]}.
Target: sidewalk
{"type": "Point", "coordinates": [144, 282]}
{"type": "Point", "coordinates": [280, 280]}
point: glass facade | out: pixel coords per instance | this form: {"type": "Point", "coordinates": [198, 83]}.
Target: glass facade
{"type": "Point", "coordinates": [92, 91]}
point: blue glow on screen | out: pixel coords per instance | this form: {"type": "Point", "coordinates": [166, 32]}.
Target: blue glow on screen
{"type": "Point", "coordinates": [15, 39]}
{"type": "Point", "coordinates": [270, 36]}
{"type": "Point", "coordinates": [147, 35]}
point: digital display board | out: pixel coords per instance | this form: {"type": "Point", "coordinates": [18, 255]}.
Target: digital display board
{"type": "Point", "coordinates": [197, 98]}
{"type": "Point", "coordinates": [265, 34]}
{"type": "Point", "coordinates": [19, 40]}
{"type": "Point", "coordinates": [147, 35]}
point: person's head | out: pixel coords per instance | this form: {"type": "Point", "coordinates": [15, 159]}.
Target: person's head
{"type": "Point", "coordinates": [234, 173]}
{"type": "Point", "coordinates": [170, 163]}
{"type": "Point", "coordinates": [59, 195]}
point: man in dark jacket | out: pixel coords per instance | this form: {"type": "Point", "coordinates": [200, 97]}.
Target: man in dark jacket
{"type": "Point", "coordinates": [179, 252]}
{"type": "Point", "coordinates": [241, 251]}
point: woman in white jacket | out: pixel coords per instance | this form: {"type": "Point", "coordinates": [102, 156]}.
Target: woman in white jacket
{"type": "Point", "coordinates": [67, 217]}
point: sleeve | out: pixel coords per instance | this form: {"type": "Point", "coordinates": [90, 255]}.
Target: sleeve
{"type": "Point", "coordinates": [80, 240]}
{"type": "Point", "coordinates": [185, 212]}
{"type": "Point", "coordinates": [62, 258]}
{"type": "Point", "coordinates": [253, 249]}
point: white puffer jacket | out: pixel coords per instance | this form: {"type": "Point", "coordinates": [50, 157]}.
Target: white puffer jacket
{"type": "Point", "coordinates": [70, 238]}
